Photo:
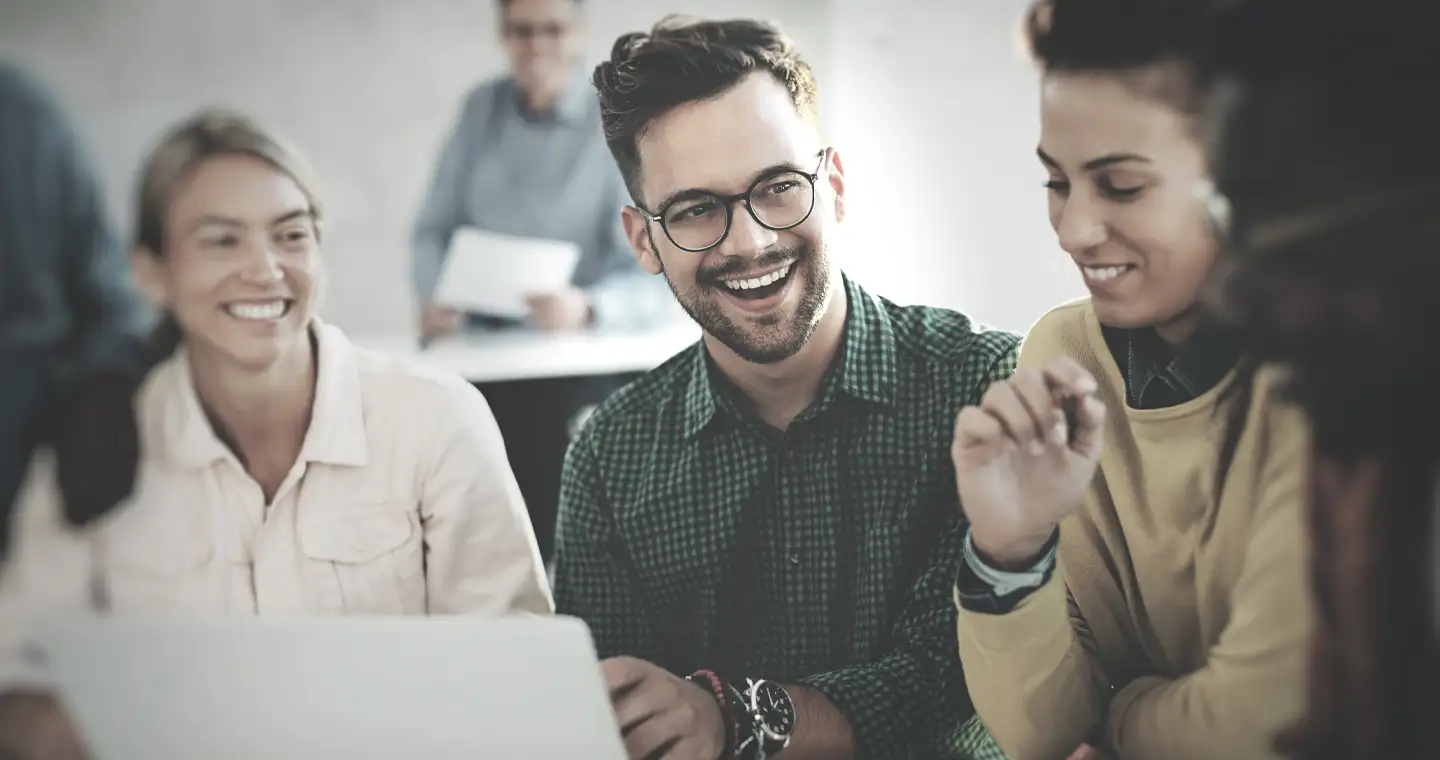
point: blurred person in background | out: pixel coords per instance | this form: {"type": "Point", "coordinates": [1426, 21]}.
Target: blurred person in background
{"type": "Point", "coordinates": [70, 355]}
{"type": "Point", "coordinates": [283, 471]}
{"type": "Point", "coordinates": [1133, 576]}
{"type": "Point", "coordinates": [1324, 149]}
{"type": "Point", "coordinates": [527, 157]}
{"type": "Point", "coordinates": [69, 321]}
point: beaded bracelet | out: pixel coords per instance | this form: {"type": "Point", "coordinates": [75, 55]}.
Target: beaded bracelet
{"type": "Point", "coordinates": [717, 689]}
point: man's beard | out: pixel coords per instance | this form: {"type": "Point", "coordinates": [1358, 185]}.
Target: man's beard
{"type": "Point", "coordinates": [777, 341]}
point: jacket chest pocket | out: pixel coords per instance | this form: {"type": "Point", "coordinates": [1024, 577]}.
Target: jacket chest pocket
{"type": "Point", "coordinates": [369, 560]}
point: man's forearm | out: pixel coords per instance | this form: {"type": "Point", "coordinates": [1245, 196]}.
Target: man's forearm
{"type": "Point", "coordinates": [822, 732]}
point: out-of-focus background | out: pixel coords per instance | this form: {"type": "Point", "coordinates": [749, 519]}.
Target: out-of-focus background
{"type": "Point", "coordinates": [931, 104]}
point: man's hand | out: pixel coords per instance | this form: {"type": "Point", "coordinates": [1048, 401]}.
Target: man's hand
{"type": "Point", "coordinates": [1020, 465]}
{"type": "Point", "coordinates": [35, 727]}
{"type": "Point", "coordinates": [438, 320]}
{"type": "Point", "coordinates": [566, 310]}
{"type": "Point", "coordinates": [661, 715]}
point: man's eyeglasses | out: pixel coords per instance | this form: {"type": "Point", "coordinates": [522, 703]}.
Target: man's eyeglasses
{"type": "Point", "coordinates": [699, 220]}
{"type": "Point", "coordinates": [524, 31]}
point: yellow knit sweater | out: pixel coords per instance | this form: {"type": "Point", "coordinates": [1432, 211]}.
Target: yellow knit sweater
{"type": "Point", "coordinates": [1176, 623]}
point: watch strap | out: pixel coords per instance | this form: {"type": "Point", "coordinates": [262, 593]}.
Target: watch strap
{"type": "Point", "coordinates": [986, 590]}
{"type": "Point", "coordinates": [749, 744]}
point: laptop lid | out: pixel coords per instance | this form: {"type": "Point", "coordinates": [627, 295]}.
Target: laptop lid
{"type": "Point", "coordinates": [346, 688]}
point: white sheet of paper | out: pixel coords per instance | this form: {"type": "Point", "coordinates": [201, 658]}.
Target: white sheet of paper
{"type": "Point", "coordinates": [492, 273]}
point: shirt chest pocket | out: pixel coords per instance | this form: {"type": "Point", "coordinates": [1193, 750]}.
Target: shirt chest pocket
{"type": "Point", "coordinates": [366, 560]}
{"type": "Point", "coordinates": [156, 560]}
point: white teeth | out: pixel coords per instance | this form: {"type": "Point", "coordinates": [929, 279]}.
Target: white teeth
{"type": "Point", "coordinates": [257, 311]}
{"type": "Point", "coordinates": [1101, 274]}
{"type": "Point", "coordinates": [758, 282]}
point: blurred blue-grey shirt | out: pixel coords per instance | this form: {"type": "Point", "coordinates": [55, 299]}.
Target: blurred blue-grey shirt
{"type": "Point", "coordinates": [505, 170]}
{"type": "Point", "coordinates": [66, 305]}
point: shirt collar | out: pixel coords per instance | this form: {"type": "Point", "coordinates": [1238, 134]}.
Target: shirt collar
{"type": "Point", "coordinates": [337, 423]}
{"type": "Point", "coordinates": [866, 368]}
{"type": "Point", "coordinates": [571, 107]}
{"type": "Point", "coordinates": [1192, 368]}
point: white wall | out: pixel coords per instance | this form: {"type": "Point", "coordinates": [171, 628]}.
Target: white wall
{"type": "Point", "coordinates": [366, 89]}
{"type": "Point", "coordinates": [934, 107]}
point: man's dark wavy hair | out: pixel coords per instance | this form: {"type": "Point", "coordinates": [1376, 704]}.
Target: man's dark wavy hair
{"type": "Point", "coordinates": [683, 61]}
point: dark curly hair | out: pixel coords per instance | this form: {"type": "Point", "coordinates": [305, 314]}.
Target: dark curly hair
{"type": "Point", "coordinates": [683, 61]}
{"type": "Point", "coordinates": [1120, 36]}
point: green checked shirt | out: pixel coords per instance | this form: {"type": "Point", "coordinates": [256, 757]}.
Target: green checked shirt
{"type": "Point", "coordinates": [694, 536]}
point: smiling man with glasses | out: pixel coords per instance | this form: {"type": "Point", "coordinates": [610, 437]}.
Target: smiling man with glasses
{"type": "Point", "coordinates": [762, 533]}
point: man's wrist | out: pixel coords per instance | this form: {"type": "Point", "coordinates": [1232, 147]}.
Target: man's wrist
{"type": "Point", "coordinates": [720, 692]}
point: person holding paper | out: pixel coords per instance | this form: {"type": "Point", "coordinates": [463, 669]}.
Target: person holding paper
{"type": "Point", "coordinates": [527, 158]}
{"type": "Point", "coordinates": [283, 470]}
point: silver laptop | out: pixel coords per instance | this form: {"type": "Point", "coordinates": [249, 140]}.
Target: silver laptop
{"type": "Point", "coordinates": [342, 688]}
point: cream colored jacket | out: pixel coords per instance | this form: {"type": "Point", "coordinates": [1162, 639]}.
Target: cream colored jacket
{"type": "Point", "coordinates": [401, 502]}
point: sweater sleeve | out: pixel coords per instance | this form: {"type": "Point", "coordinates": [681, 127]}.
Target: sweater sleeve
{"type": "Point", "coordinates": [1032, 674]}
{"type": "Point", "coordinates": [1043, 685]}
{"type": "Point", "coordinates": [1251, 686]}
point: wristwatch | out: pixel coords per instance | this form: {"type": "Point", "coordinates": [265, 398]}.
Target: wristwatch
{"type": "Point", "coordinates": [771, 717]}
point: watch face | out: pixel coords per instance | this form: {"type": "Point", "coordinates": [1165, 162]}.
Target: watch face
{"type": "Point", "coordinates": [777, 712]}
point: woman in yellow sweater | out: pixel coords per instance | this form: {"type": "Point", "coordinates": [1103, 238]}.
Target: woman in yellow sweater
{"type": "Point", "coordinates": [1133, 580]}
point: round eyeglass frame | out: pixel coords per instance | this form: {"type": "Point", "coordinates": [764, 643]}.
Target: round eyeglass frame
{"type": "Point", "coordinates": [728, 202]}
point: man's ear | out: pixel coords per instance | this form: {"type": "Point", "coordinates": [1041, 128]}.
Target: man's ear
{"type": "Point", "coordinates": [836, 176]}
{"type": "Point", "coordinates": [637, 231]}
{"type": "Point", "coordinates": [145, 270]}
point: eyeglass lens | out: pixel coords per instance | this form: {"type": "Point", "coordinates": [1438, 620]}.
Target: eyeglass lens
{"type": "Point", "coordinates": [778, 202]}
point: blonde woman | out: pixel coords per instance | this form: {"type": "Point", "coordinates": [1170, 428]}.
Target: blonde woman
{"type": "Point", "coordinates": [284, 470]}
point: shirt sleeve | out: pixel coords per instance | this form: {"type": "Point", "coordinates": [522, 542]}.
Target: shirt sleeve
{"type": "Point", "coordinates": [480, 551]}
{"type": "Point", "coordinates": [594, 577]}
{"type": "Point", "coordinates": [441, 212]}
{"type": "Point", "coordinates": [912, 702]}
{"type": "Point", "coordinates": [48, 572]}
{"type": "Point", "coordinates": [1251, 686]}
{"type": "Point", "coordinates": [1032, 674]}
{"type": "Point", "coordinates": [907, 703]}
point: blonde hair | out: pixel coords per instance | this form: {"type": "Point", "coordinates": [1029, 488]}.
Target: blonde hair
{"type": "Point", "coordinates": [211, 133]}
{"type": "Point", "coordinates": [206, 135]}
